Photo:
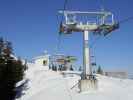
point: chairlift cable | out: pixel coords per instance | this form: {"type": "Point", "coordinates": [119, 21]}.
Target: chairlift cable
{"type": "Point", "coordinates": [120, 22]}
{"type": "Point", "coordinates": [102, 5]}
{"type": "Point", "coordinates": [126, 19]}
{"type": "Point", "coordinates": [59, 36]}
{"type": "Point", "coordinates": [65, 5]}
{"type": "Point", "coordinates": [64, 8]}
{"type": "Point", "coordinates": [92, 44]}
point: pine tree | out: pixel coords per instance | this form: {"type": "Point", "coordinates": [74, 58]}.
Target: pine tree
{"type": "Point", "coordinates": [80, 68]}
{"type": "Point", "coordinates": [99, 70]}
{"type": "Point", "coordinates": [71, 68]}
{"type": "Point", "coordinates": [11, 71]}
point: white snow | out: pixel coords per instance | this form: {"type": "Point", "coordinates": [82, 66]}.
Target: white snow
{"type": "Point", "coordinates": [49, 85]}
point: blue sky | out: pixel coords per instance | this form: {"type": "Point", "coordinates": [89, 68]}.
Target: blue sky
{"type": "Point", "coordinates": [32, 27]}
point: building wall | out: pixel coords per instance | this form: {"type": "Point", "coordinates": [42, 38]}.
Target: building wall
{"type": "Point", "coordinates": [42, 62]}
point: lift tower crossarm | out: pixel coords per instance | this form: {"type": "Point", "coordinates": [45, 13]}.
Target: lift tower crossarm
{"type": "Point", "coordinates": [103, 13]}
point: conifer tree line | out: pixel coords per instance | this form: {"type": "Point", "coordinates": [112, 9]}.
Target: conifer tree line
{"type": "Point", "coordinates": [11, 71]}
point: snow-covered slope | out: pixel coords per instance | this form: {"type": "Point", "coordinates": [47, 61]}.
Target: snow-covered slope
{"type": "Point", "coordinates": [49, 85]}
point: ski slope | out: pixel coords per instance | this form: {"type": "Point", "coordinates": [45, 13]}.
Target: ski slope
{"type": "Point", "coordinates": [49, 85]}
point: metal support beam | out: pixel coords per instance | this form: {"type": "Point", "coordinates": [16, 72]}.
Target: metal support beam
{"type": "Point", "coordinates": [86, 55]}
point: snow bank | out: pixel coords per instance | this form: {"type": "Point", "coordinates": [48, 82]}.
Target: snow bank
{"type": "Point", "coordinates": [49, 85]}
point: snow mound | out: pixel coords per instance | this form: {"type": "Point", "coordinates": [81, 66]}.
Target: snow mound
{"type": "Point", "coordinates": [49, 85]}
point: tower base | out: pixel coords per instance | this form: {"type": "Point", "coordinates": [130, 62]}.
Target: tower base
{"type": "Point", "coordinates": [87, 84]}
